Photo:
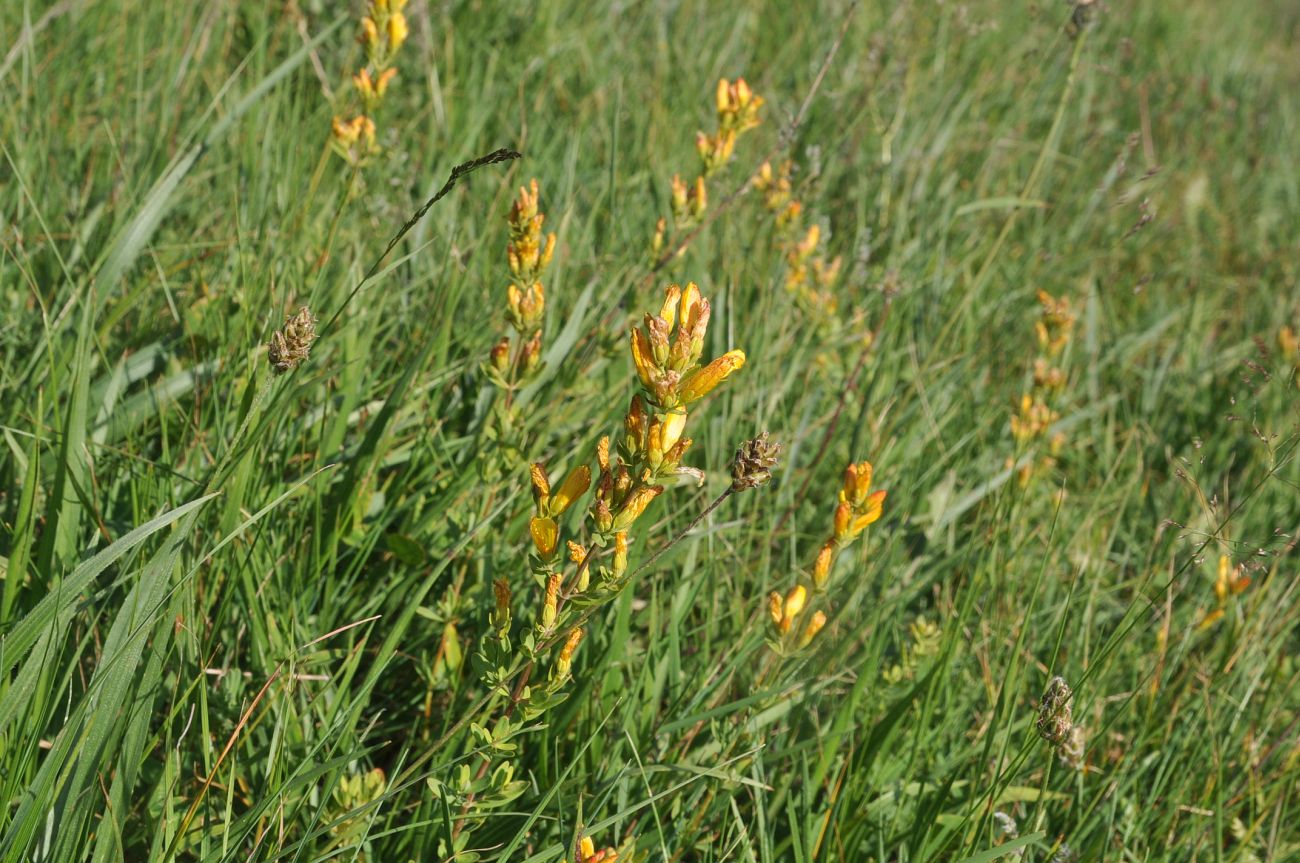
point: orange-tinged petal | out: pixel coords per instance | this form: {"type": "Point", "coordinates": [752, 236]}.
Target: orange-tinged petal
{"type": "Point", "coordinates": [702, 381]}
{"type": "Point", "coordinates": [774, 607]}
{"type": "Point", "coordinates": [822, 568]}
{"type": "Point", "coordinates": [814, 626]}
{"type": "Point", "coordinates": [635, 505]}
{"type": "Point", "coordinates": [642, 357]}
{"type": "Point", "coordinates": [574, 486]}
{"type": "Point", "coordinates": [843, 515]}
{"type": "Point", "coordinates": [871, 514]}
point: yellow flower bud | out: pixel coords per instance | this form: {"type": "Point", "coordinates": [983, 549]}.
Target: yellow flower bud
{"type": "Point", "coordinates": [551, 605]}
{"type": "Point", "coordinates": [546, 533]}
{"type": "Point", "coordinates": [500, 355]}
{"type": "Point", "coordinates": [843, 516]}
{"type": "Point", "coordinates": [672, 427]}
{"type": "Point", "coordinates": [699, 198]}
{"type": "Point", "coordinates": [574, 486]}
{"type": "Point", "coordinates": [364, 85]}
{"type": "Point", "coordinates": [857, 483]}
{"type": "Point", "coordinates": [794, 602]}
{"type": "Point", "coordinates": [369, 34]}
{"type": "Point", "coordinates": [822, 568]}
{"type": "Point", "coordinates": [661, 229]}
{"type": "Point", "coordinates": [381, 83]}
{"type": "Point", "coordinates": [577, 553]}
{"type": "Point", "coordinates": [620, 552]}
{"type": "Point", "coordinates": [814, 626]}
{"type": "Point", "coordinates": [643, 358]}
{"type": "Point", "coordinates": [700, 382]}
{"type": "Point", "coordinates": [397, 31]}
{"type": "Point", "coordinates": [634, 426]}
{"type": "Point", "coordinates": [571, 643]}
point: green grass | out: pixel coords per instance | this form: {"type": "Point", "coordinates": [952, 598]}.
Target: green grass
{"type": "Point", "coordinates": [226, 592]}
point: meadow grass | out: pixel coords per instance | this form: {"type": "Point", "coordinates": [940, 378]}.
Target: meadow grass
{"type": "Point", "coordinates": [240, 609]}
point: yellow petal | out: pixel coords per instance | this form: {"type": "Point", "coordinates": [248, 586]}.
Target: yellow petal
{"type": "Point", "coordinates": [702, 381]}
{"type": "Point", "coordinates": [794, 602]}
{"type": "Point", "coordinates": [642, 357]}
{"type": "Point", "coordinates": [546, 533]}
{"type": "Point", "coordinates": [672, 296]}
{"type": "Point", "coordinates": [636, 504]}
{"type": "Point", "coordinates": [673, 426]}
{"type": "Point", "coordinates": [690, 306]}
{"type": "Point", "coordinates": [573, 487]}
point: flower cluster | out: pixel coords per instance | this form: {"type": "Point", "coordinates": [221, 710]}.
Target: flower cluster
{"type": "Point", "coordinates": [810, 274]}
{"type": "Point", "coordinates": [1056, 725]}
{"type": "Point", "coordinates": [1228, 583]}
{"type": "Point", "coordinates": [738, 109]}
{"type": "Point", "coordinates": [1033, 414]}
{"type": "Point", "coordinates": [666, 354]}
{"type": "Point", "coordinates": [858, 508]}
{"type": "Point", "coordinates": [572, 575]}
{"type": "Point", "coordinates": [383, 30]}
{"type": "Point", "coordinates": [528, 254]}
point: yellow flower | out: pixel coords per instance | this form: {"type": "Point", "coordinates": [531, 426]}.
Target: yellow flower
{"type": "Point", "coordinates": [564, 662]}
{"type": "Point", "coordinates": [857, 483]}
{"type": "Point", "coordinates": [870, 514]}
{"type": "Point", "coordinates": [693, 307]}
{"type": "Point", "coordinates": [397, 31]}
{"type": "Point", "coordinates": [550, 606]}
{"type": "Point", "coordinates": [635, 505]}
{"type": "Point", "coordinates": [643, 357]}
{"type": "Point", "coordinates": [814, 626]}
{"type": "Point", "coordinates": [700, 382]}
{"type": "Point", "coordinates": [678, 199]}
{"type": "Point", "coordinates": [794, 602]}
{"type": "Point", "coordinates": [369, 34]}
{"type": "Point", "coordinates": [574, 486]}
{"type": "Point", "coordinates": [546, 533]}
{"type": "Point", "coordinates": [822, 568]}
